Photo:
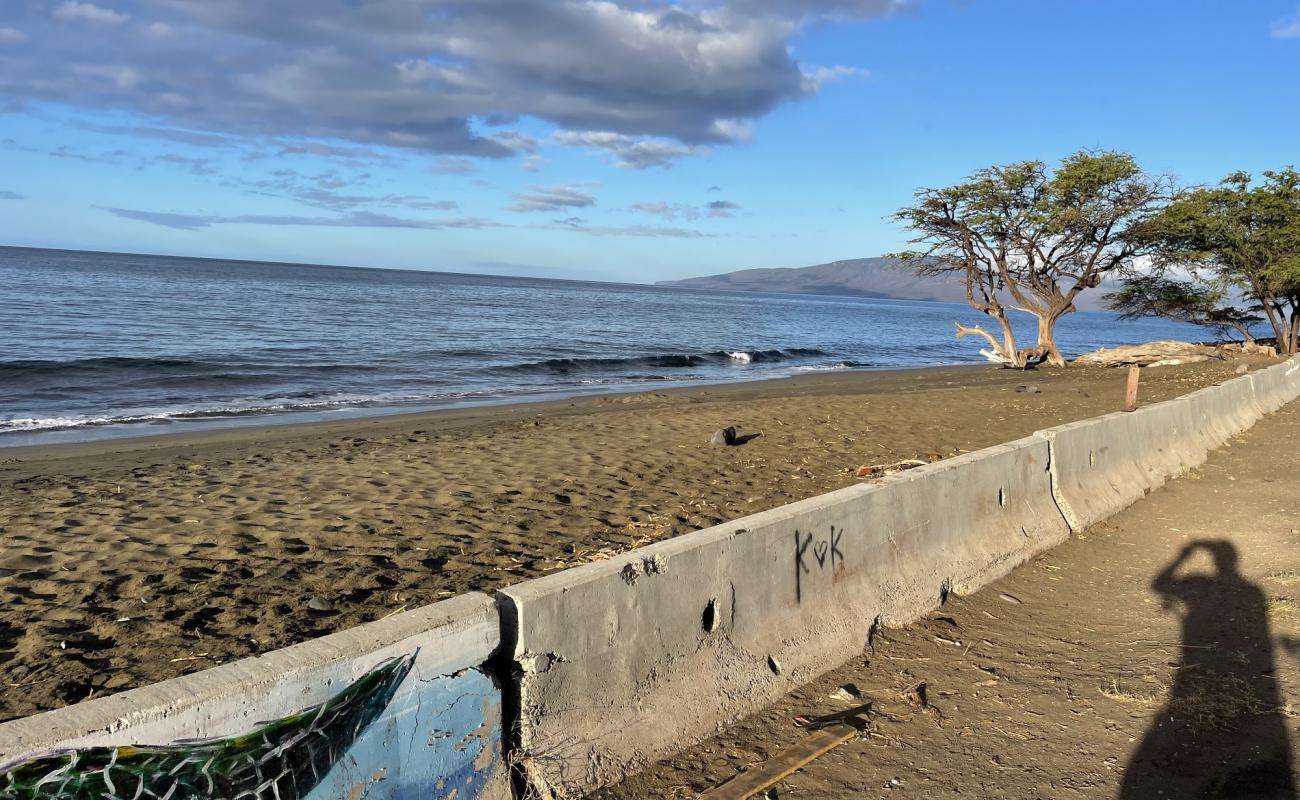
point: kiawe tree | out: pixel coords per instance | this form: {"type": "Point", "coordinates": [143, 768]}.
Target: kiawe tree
{"type": "Point", "coordinates": [1191, 299]}
{"type": "Point", "coordinates": [1027, 239]}
{"type": "Point", "coordinates": [1240, 234]}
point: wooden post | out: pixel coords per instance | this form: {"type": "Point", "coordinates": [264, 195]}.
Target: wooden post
{"type": "Point", "coordinates": [1131, 395]}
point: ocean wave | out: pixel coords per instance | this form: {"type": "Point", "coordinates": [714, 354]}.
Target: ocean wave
{"type": "Point", "coordinates": [566, 366]}
{"type": "Point", "coordinates": [161, 368]}
{"type": "Point", "coordinates": [252, 409]}
{"type": "Point", "coordinates": [837, 365]}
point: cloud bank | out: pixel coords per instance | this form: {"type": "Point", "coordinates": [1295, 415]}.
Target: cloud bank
{"type": "Point", "coordinates": [644, 83]}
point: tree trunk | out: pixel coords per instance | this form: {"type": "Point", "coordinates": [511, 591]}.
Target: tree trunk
{"type": "Point", "coordinates": [1047, 339]}
{"type": "Point", "coordinates": [1277, 318]}
{"type": "Point", "coordinates": [1003, 352]}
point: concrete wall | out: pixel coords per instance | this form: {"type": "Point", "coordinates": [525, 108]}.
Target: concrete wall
{"type": "Point", "coordinates": [394, 709]}
{"type": "Point", "coordinates": [1223, 411]}
{"type": "Point", "coordinates": [1278, 385]}
{"type": "Point", "coordinates": [1102, 465]}
{"type": "Point", "coordinates": [624, 661]}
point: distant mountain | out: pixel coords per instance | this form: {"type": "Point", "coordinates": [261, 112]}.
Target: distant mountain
{"type": "Point", "coordinates": [854, 277]}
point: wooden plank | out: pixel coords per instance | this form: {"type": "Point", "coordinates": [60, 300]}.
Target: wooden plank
{"type": "Point", "coordinates": [1131, 394]}
{"type": "Point", "coordinates": [789, 761]}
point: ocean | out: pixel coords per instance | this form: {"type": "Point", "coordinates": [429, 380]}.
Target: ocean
{"type": "Point", "coordinates": [96, 345]}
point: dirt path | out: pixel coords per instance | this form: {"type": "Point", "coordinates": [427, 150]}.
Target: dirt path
{"type": "Point", "coordinates": [1095, 671]}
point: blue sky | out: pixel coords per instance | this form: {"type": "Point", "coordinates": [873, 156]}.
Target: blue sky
{"type": "Point", "coordinates": [630, 141]}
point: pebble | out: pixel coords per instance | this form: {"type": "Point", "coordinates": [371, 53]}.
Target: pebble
{"type": "Point", "coordinates": [320, 604]}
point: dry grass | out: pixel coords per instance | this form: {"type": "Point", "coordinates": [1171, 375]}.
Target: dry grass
{"type": "Point", "coordinates": [1122, 691]}
{"type": "Point", "coordinates": [1284, 577]}
{"type": "Point", "coordinates": [1203, 697]}
{"type": "Point", "coordinates": [1283, 606]}
{"type": "Point", "coordinates": [1214, 699]}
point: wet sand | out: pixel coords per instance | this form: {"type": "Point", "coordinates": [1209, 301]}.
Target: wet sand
{"type": "Point", "coordinates": [129, 561]}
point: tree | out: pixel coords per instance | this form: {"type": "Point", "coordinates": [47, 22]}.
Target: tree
{"type": "Point", "coordinates": [1026, 239]}
{"type": "Point", "coordinates": [1185, 300]}
{"type": "Point", "coordinates": [1245, 235]}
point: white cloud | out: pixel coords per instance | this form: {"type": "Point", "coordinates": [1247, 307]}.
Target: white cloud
{"type": "Point", "coordinates": [1287, 28]}
{"type": "Point", "coordinates": [356, 219]}
{"type": "Point", "coordinates": [646, 82]}
{"type": "Point", "coordinates": [721, 208]}
{"type": "Point", "coordinates": [668, 211]}
{"type": "Point", "coordinates": [73, 11]}
{"type": "Point", "coordinates": [448, 165]}
{"type": "Point", "coordinates": [12, 36]}
{"type": "Point", "coordinates": [552, 198]}
{"type": "Point", "coordinates": [671, 211]}
{"type": "Point", "coordinates": [121, 76]}
{"type": "Point", "coordinates": [816, 78]}
{"type": "Point", "coordinates": [631, 152]}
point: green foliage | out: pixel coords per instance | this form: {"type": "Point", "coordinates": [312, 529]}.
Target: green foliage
{"type": "Point", "coordinates": [1198, 303]}
{"type": "Point", "coordinates": [1243, 234]}
{"type": "Point", "coordinates": [1024, 237]}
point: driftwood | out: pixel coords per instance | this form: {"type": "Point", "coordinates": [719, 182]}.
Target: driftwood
{"type": "Point", "coordinates": [1253, 348]}
{"type": "Point", "coordinates": [1153, 354]}
{"type": "Point", "coordinates": [1027, 358]}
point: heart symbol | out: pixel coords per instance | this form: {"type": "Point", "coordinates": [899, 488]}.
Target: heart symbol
{"type": "Point", "coordinates": [819, 552]}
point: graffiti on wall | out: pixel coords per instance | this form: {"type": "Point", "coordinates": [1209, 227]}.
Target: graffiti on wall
{"type": "Point", "coordinates": [821, 552]}
{"type": "Point", "coordinates": [345, 747]}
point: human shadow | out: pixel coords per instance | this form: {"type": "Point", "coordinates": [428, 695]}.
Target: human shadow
{"type": "Point", "coordinates": [1221, 733]}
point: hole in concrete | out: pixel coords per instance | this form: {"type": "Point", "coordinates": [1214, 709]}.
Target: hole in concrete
{"type": "Point", "coordinates": [774, 665]}
{"type": "Point", "coordinates": [709, 621]}
{"type": "Point", "coordinates": [1002, 497]}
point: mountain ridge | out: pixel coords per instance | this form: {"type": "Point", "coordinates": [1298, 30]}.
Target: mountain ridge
{"type": "Point", "coordinates": [878, 277]}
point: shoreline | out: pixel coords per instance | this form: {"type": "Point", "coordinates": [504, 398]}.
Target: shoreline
{"type": "Point", "coordinates": [130, 561]}
{"type": "Point", "coordinates": [114, 431]}
{"type": "Point", "coordinates": [561, 402]}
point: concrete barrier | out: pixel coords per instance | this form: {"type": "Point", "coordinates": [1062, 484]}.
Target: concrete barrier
{"type": "Point", "coordinates": [1277, 385]}
{"type": "Point", "coordinates": [1223, 411]}
{"type": "Point", "coordinates": [1102, 465]}
{"type": "Point", "coordinates": [394, 709]}
{"type": "Point", "coordinates": [627, 660]}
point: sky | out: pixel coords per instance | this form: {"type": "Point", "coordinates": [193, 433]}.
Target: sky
{"type": "Point", "coordinates": [618, 140]}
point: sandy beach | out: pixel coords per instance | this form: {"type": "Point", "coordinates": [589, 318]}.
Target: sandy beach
{"type": "Point", "coordinates": [130, 561]}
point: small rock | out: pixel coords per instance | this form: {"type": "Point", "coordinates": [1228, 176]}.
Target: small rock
{"type": "Point", "coordinates": [866, 472]}
{"type": "Point", "coordinates": [1011, 598]}
{"type": "Point", "coordinates": [1242, 369]}
{"type": "Point", "coordinates": [320, 604]}
{"type": "Point", "coordinates": [1028, 388]}
{"type": "Point", "coordinates": [848, 693]}
{"type": "Point", "coordinates": [725, 436]}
